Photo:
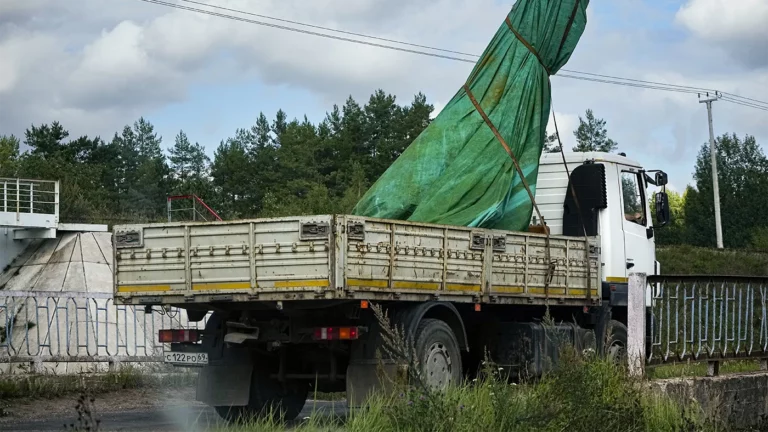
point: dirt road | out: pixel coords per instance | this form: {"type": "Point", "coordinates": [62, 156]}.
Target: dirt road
{"type": "Point", "coordinates": [133, 410]}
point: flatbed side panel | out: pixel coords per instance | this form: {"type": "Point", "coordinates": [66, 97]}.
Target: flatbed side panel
{"type": "Point", "coordinates": [348, 257]}
{"type": "Point", "coordinates": [219, 258]}
{"type": "Point", "coordinates": [403, 257]}
{"type": "Point", "coordinates": [520, 266]}
{"type": "Point", "coordinates": [241, 257]}
{"type": "Point", "coordinates": [411, 257]}
{"type": "Point", "coordinates": [293, 254]}
{"type": "Point", "coordinates": [149, 260]}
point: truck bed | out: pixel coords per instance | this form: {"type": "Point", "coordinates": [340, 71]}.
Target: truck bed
{"type": "Point", "coordinates": [347, 257]}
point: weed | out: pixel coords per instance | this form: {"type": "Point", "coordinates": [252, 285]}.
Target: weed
{"type": "Point", "coordinates": [52, 386]}
{"type": "Point", "coordinates": [86, 420]}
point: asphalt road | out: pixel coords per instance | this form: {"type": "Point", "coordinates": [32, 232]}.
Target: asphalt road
{"type": "Point", "coordinates": [183, 418]}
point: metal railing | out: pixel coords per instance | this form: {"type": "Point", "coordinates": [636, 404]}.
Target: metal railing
{"type": "Point", "coordinates": [703, 318]}
{"type": "Point", "coordinates": [32, 203]}
{"type": "Point", "coordinates": [195, 214]}
{"type": "Point", "coordinates": [37, 327]}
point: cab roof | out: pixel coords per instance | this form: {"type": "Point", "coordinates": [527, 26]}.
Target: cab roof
{"type": "Point", "coordinates": [581, 157]}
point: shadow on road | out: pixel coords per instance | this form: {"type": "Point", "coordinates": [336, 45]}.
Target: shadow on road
{"type": "Point", "coordinates": [183, 418]}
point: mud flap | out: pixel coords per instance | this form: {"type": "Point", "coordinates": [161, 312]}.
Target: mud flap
{"type": "Point", "coordinates": [225, 385]}
{"type": "Point", "coordinates": [365, 377]}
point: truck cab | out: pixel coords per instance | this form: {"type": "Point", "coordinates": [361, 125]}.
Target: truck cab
{"type": "Point", "coordinates": [612, 201]}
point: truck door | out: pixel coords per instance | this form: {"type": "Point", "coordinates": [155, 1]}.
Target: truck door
{"type": "Point", "coordinates": [638, 248]}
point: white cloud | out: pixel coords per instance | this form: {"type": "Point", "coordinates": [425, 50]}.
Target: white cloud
{"type": "Point", "coordinates": [122, 68]}
{"type": "Point", "coordinates": [566, 124]}
{"type": "Point", "coordinates": [736, 25]}
{"type": "Point", "coordinates": [96, 66]}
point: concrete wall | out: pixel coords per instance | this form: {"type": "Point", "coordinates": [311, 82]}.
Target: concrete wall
{"type": "Point", "coordinates": [741, 401]}
{"type": "Point", "coordinates": [9, 248]}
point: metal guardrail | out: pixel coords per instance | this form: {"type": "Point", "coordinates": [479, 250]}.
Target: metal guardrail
{"type": "Point", "coordinates": [38, 326]}
{"type": "Point", "coordinates": [31, 203]}
{"type": "Point", "coordinates": [702, 318]}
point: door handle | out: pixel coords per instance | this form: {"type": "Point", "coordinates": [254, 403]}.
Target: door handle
{"type": "Point", "coordinates": [630, 264]}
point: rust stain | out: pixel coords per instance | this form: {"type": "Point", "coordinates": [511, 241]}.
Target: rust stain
{"type": "Point", "coordinates": [487, 58]}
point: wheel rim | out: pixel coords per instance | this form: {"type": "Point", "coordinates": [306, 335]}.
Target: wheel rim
{"type": "Point", "coordinates": [438, 366]}
{"type": "Point", "coordinates": [616, 353]}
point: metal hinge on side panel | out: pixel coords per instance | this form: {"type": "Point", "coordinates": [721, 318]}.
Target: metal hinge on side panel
{"type": "Point", "coordinates": [500, 243]}
{"type": "Point", "coordinates": [478, 241]}
{"type": "Point", "coordinates": [314, 230]}
{"type": "Point", "coordinates": [356, 230]}
{"type": "Point", "coordinates": [129, 239]}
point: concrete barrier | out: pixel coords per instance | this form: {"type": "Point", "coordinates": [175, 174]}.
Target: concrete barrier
{"type": "Point", "coordinates": [739, 401]}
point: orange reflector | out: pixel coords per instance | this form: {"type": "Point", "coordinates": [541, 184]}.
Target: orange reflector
{"type": "Point", "coordinates": [336, 333]}
{"type": "Point", "coordinates": [363, 304]}
{"type": "Point", "coordinates": [179, 336]}
{"type": "Point", "coordinates": [165, 336]}
{"type": "Point", "coordinates": [477, 307]}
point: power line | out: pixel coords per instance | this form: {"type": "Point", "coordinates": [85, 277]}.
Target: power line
{"type": "Point", "coordinates": [744, 98]}
{"type": "Point", "coordinates": [682, 87]}
{"type": "Point", "coordinates": [742, 103]}
{"type": "Point", "coordinates": [329, 29]}
{"type": "Point", "coordinates": [588, 76]}
{"type": "Point", "coordinates": [292, 29]}
{"type": "Point", "coordinates": [698, 89]}
{"type": "Point", "coordinates": [628, 84]}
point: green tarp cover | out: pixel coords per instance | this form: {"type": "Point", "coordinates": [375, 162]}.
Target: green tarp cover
{"type": "Point", "coordinates": [456, 172]}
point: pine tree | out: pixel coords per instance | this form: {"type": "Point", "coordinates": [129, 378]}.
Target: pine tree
{"type": "Point", "coordinates": [592, 136]}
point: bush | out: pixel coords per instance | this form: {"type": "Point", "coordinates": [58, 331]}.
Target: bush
{"type": "Point", "coordinates": [683, 260]}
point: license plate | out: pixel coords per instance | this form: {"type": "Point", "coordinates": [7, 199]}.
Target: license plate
{"type": "Point", "coordinates": [187, 359]}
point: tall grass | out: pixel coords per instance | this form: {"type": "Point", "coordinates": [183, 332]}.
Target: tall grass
{"type": "Point", "coordinates": [584, 393]}
{"type": "Point", "coordinates": [52, 386]}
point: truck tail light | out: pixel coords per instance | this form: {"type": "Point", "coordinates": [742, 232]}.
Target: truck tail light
{"type": "Point", "coordinates": [336, 333]}
{"type": "Point", "coordinates": [179, 336]}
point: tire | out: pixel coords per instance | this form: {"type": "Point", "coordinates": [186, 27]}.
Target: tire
{"type": "Point", "coordinates": [616, 344]}
{"type": "Point", "coordinates": [268, 397]}
{"type": "Point", "coordinates": [438, 354]}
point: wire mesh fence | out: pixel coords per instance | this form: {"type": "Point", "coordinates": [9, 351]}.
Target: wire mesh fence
{"type": "Point", "coordinates": [82, 327]}
{"type": "Point", "coordinates": [702, 318]}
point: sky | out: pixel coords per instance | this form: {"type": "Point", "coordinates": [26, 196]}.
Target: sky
{"type": "Point", "coordinates": [97, 65]}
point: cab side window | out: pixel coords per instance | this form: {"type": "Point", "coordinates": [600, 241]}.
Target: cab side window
{"type": "Point", "coordinates": [634, 208]}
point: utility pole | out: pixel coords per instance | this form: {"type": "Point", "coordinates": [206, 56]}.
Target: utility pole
{"type": "Point", "coordinates": [713, 157]}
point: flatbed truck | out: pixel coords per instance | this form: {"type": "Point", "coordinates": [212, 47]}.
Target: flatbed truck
{"type": "Point", "coordinates": [288, 300]}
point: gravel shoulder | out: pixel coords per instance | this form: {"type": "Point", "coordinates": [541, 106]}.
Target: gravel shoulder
{"type": "Point", "coordinates": [148, 409]}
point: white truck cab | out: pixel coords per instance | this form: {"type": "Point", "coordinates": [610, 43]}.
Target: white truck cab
{"type": "Point", "coordinates": [613, 193]}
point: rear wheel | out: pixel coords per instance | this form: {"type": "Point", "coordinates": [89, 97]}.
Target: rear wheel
{"type": "Point", "coordinates": [269, 398]}
{"type": "Point", "coordinates": [616, 345]}
{"type": "Point", "coordinates": [438, 353]}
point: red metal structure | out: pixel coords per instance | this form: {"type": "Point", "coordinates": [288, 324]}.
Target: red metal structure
{"type": "Point", "coordinates": [196, 214]}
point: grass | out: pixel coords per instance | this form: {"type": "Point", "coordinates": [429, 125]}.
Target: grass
{"type": "Point", "coordinates": [584, 393]}
{"type": "Point", "coordinates": [698, 369]}
{"type": "Point", "coordinates": [53, 386]}
{"type": "Point", "coordinates": [683, 260]}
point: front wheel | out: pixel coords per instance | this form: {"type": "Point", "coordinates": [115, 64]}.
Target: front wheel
{"type": "Point", "coordinates": [438, 353]}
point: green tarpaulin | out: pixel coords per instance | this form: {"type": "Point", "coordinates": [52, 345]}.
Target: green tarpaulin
{"type": "Point", "coordinates": [457, 172]}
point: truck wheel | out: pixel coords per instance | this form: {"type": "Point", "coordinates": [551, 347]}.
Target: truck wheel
{"type": "Point", "coordinates": [616, 345]}
{"type": "Point", "coordinates": [438, 352]}
{"type": "Point", "coordinates": [269, 397]}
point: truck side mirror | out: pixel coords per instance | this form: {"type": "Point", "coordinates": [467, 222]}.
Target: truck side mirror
{"type": "Point", "coordinates": [661, 178]}
{"type": "Point", "coordinates": [662, 208]}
